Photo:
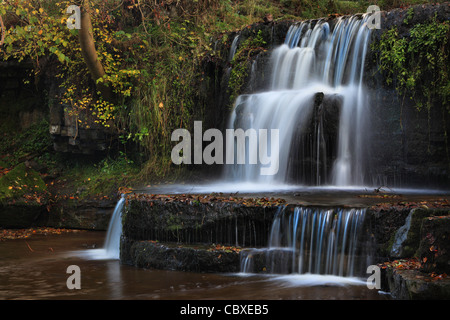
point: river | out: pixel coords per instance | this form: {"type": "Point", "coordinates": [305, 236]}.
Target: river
{"type": "Point", "coordinates": [36, 269]}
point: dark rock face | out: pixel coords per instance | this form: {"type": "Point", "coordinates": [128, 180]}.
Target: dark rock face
{"type": "Point", "coordinates": [383, 225]}
{"type": "Point", "coordinates": [76, 134]}
{"type": "Point", "coordinates": [89, 215]}
{"type": "Point", "coordinates": [224, 223]}
{"type": "Point", "coordinates": [321, 133]}
{"type": "Point", "coordinates": [403, 233]}
{"type": "Point", "coordinates": [20, 215]}
{"type": "Point", "coordinates": [409, 147]}
{"type": "Point", "coordinates": [434, 247]}
{"type": "Point", "coordinates": [21, 104]}
{"type": "Point", "coordinates": [68, 137]}
{"type": "Point", "coordinates": [412, 285]}
{"type": "Point", "coordinates": [148, 254]}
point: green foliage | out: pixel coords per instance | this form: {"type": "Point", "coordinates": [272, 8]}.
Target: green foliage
{"type": "Point", "coordinates": [33, 141]}
{"type": "Point", "coordinates": [409, 15]}
{"type": "Point", "coordinates": [37, 29]}
{"type": "Point", "coordinates": [241, 63]}
{"type": "Point", "coordinates": [418, 63]}
{"type": "Point", "coordinates": [104, 177]}
{"type": "Point", "coordinates": [390, 4]}
{"type": "Point", "coordinates": [310, 8]}
{"type": "Point", "coordinates": [151, 52]}
{"type": "Point", "coordinates": [33, 33]}
{"type": "Point", "coordinates": [360, 6]}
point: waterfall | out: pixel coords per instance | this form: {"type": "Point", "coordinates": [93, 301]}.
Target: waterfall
{"type": "Point", "coordinates": [311, 240]}
{"type": "Point", "coordinates": [233, 48]}
{"type": "Point", "coordinates": [315, 58]}
{"type": "Point", "coordinates": [112, 242]}
{"type": "Point", "coordinates": [111, 247]}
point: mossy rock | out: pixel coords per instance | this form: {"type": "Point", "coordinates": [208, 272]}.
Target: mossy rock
{"type": "Point", "coordinates": [415, 285]}
{"type": "Point", "coordinates": [19, 182]}
{"type": "Point", "coordinates": [16, 209]}
{"type": "Point", "coordinates": [434, 249]}
{"type": "Point", "coordinates": [410, 245]}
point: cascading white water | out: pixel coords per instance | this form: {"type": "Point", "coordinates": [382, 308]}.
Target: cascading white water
{"type": "Point", "coordinates": [233, 48]}
{"type": "Point", "coordinates": [320, 241]}
{"type": "Point", "coordinates": [111, 247]}
{"type": "Point", "coordinates": [312, 241]}
{"type": "Point", "coordinates": [112, 242]}
{"type": "Point", "coordinates": [313, 59]}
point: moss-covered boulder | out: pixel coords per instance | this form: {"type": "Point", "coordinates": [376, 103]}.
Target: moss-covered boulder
{"type": "Point", "coordinates": [22, 197]}
{"type": "Point", "coordinates": [406, 240]}
{"type": "Point", "coordinates": [19, 182]}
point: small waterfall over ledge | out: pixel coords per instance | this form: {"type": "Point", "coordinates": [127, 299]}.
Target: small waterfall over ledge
{"type": "Point", "coordinates": [314, 59]}
{"type": "Point", "coordinates": [112, 242]}
{"type": "Point", "coordinates": [311, 241]}
{"type": "Point", "coordinates": [111, 247]}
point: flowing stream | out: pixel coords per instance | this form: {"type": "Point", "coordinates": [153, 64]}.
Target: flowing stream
{"type": "Point", "coordinates": [41, 274]}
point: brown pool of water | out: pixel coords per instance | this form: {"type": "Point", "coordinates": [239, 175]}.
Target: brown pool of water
{"type": "Point", "coordinates": [36, 269]}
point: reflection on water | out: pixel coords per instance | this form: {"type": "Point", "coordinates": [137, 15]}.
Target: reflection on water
{"type": "Point", "coordinates": [35, 268]}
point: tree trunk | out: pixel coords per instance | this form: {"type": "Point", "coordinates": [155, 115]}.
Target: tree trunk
{"type": "Point", "coordinates": [89, 52]}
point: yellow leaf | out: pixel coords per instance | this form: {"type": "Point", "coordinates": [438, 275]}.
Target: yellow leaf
{"type": "Point", "coordinates": [41, 10]}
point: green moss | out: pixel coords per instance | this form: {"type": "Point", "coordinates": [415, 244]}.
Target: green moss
{"type": "Point", "coordinates": [249, 48]}
{"type": "Point", "coordinates": [413, 240]}
{"type": "Point", "coordinates": [237, 79]}
{"type": "Point", "coordinates": [102, 178]}
{"type": "Point", "coordinates": [15, 144]}
{"type": "Point", "coordinates": [19, 182]}
{"type": "Point", "coordinates": [417, 65]}
{"type": "Point", "coordinates": [174, 223]}
{"type": "Point", "coordinates": [411, 244]}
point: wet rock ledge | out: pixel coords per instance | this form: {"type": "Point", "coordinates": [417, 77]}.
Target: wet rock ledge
{"type": "Point", "coordinates": [193, 233]}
